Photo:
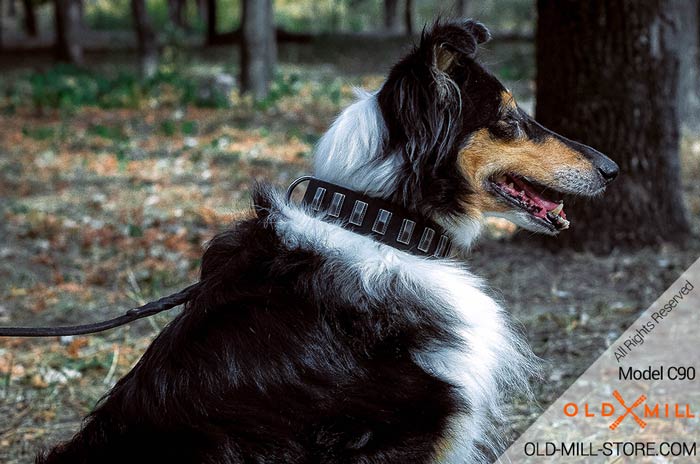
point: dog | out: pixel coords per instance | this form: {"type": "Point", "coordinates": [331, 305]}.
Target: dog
{"type": "Point", "coordinates": [344, 329]}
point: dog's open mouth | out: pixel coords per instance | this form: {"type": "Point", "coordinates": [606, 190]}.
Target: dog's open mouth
{"type": "Point", "coordinates": [530, 197]}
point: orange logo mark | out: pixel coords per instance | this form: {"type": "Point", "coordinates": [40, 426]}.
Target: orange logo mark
{"type": "Point", "coordinates": [628, 411]}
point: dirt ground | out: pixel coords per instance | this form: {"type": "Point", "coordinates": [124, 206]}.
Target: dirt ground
{"type": "Point", "coordinates": [93, 223]}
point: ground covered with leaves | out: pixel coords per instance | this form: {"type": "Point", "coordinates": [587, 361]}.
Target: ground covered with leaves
{"type": "Point", "coordinates": [104, 206]}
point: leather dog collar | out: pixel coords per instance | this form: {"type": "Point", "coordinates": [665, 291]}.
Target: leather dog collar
{"type": "Point", "coordinates": [373, 217]}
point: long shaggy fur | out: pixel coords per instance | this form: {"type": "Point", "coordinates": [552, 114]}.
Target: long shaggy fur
{"type": "Point", "coordinates": [308, 343]}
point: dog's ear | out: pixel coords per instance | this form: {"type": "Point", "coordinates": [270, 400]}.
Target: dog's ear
{"type": "Point", "coordinates": [421, 100]}
{"type": "Point", "coordinates": [447, 45]}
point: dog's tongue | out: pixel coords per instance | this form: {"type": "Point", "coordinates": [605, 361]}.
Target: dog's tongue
{"type": "Point", "coordinates": [545, 204]}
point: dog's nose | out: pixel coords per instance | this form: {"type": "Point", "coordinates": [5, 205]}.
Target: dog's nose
{"type": "Point", "coordinates": [609, 170]}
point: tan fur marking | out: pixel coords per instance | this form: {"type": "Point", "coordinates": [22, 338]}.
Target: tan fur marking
{"type": "Point", "coordinates": [507, 100]}
{"type": "Point", "coordinates": [487, 156]}
{"type": "Point", "coordinates": [444, 59]}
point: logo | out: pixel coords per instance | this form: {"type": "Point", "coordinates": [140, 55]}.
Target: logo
{"type": "Point", "coordinates": [609, 410]}
{"type": "Point", "coordinates": [629, 410]}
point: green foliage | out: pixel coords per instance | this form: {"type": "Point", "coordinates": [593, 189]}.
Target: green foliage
{"type": "Point", "coordinates": [328, 15]}
{"type": "Point", "coordinates": [315, 16]}
{"type": "Point", "coordinates": [291, 84]}
{"type": "Point", "coordinates": [68, 88]}
{"type": "Point", "coordinates": [229, 15]}
{"type": "Point", "coordinates": [189, 128]}
{"type": "Point", "coordinates": [168, 127]}
{"type": "Point", "coordinates": [284, 85]}
{"type": "Point", "coordinates": [39, 133]}
{"type": "Point", "coordinates": [109, 15]}
{"type": "Point", "coordinates": [99, 361]}
{"type": "Point", "coordinates": [134, 230]}
{"type": "Point", "coordinates": [121, 153]}
{"type": "Point", "coordinates": [106, 132]}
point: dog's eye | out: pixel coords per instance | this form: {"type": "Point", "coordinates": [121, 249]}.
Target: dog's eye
{"type": "Point", "coordinates": [510, 127]}
{"type": "Point", "coordinates": [516, 127]}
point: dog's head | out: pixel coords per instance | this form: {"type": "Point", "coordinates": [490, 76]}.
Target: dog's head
{"type": "Point", "coordinates": [468, 148]}
{"type": "Point", "coordinates": [456, 146]}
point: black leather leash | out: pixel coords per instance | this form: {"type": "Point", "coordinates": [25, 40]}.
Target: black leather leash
{"type": "Point", "coordinates": [149, 309]}
{"type": "Point", "coordinates": [385, 222]}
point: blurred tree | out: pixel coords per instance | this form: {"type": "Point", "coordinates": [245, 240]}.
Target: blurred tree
{"type": "Point", "coordinates": [68, 29]}
{"type": "Point", "coordinates": [176, 12]}
{"type": "Point", "coordinates": [145, 38]}
{"type": "Point", "coordinates": [211, 21]}
{"type": "Point", "coordinates": [12, 9]}
{"type": "Point", "coordinates": [29, 18]}
{"type": "Point", "coordinates": [408, 17]}
{"type": "Point", "coordinates": [391, 16]}
{"type": "Point", "coordinates": [689, 34]}
{"type": "Point", "coordinates": [607, 75]}
{"type": "Point", "coordinates": [81, 13]}
{"type": "Point", "coordinates": [462, 8]}
{"type": "Point", "coordinates": [258, 47]}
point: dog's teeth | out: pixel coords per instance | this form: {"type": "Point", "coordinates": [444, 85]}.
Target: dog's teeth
{"type": "Point", "coordinates": [559, 221]}
{"type": "Point", "coordinates": [558, 209]}
{"type": "Point", "coordinates": [510, 185]}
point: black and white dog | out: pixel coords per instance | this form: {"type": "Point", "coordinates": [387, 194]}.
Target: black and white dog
{"type": "Point", "coordinates": [343, 330]}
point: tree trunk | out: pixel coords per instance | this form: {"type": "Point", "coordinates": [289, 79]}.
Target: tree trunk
{"type": "Point", "coordinates": [202, 9]}
{"type": "Point", "coordinates": [259, 49]}
{"type": "Point", "coordinates": [29, 18]}
{"type": "Point", "coordinates": [408, 17]}
{"type": "Point", "coordinates": [67, 16]}
{"type": "Point", "coordinates": [12, 9]}
{"type": "Point", "coordinates": [689, 92]}
{"type": "Point", "coordinates": [462, 8]}
{"type": "Point", "coordinates": [145, 38]}
{"type": "Point", "coordinates": [607, 75]}
{"type": "Point", "coordinates": [391, 16]}
{"type": "Point", "coordinates": [1, 23]}
{"type": "Point", "coordinates": [211, 22]}
{"type": "Point", "coordinates": [176, 11]}
{"type": "Point", "coordinates": [81, 14]}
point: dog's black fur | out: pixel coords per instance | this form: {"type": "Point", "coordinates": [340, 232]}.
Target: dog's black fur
{"type": "Point", "coordinates": [269, 363]}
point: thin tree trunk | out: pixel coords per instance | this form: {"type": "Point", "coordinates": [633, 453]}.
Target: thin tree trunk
{"type": "Point", "coordinates": [146, 38]}
{"type": "Point", "coordinates": [202, 9]}
{"type": "Point", "coordinates": [462, 8]}
{"type": "Point", "coordinates": [689, 35]}
{"type": "Point", "coordinates": [408, 17]}
{"type": "Point", "coordinates": [1, 22]}
{"type": "Point", "coordinates": [391, 16]}
{"type": "Point", "coordinates": [29, 18]}
{"type": "Point", "coordinates": [211, 21]}
{"type": "Point", "coordinates": [259, 49]}
{"type": "Point", "coordinates": [81, 14]}
{"type": "Point", "coordinates": [68, 30]}
{"type": "Point", "coordinates": [12, 9]}
{"type": "Point", "coordinates": [176, 11]}
{"type": "Point", "coordinates": [607, 75]}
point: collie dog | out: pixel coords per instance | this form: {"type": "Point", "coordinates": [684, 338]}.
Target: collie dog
{"type": "Point", "coordinates": [342, 328]}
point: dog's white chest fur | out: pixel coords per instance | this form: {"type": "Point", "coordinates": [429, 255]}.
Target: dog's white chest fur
{"type": "Point", "coordinates": [477, 366]}
{"type": "Point", "coordinates": [490, 360]}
